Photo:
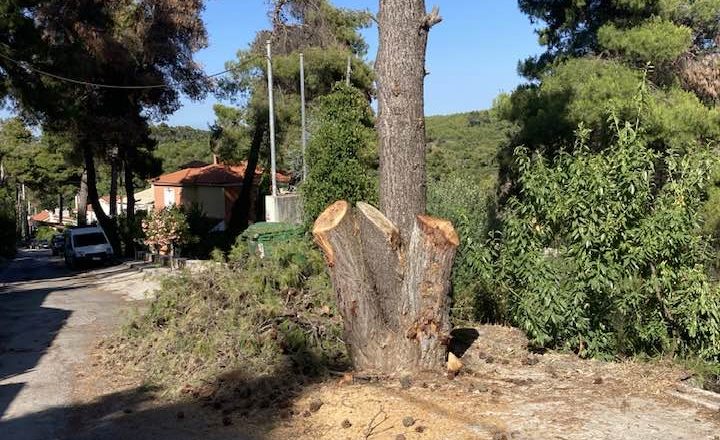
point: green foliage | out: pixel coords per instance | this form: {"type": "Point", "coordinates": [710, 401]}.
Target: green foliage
{"type": "Point", "coordinates": [587, 91]}
{"type": "Point", "coordinates": [660, 31]}
{"type": "Point", "coordinates": [602, 252]}
{"type": "Point", "coordinates": [341, 153]}
{"type": "Point", "coordinates": [130, 228]}
{"type": "Point", "coordinates": [178, 146]}
{"type": "Point", "coordinates": [166, 229]}
{"type": "Point", "coordinates": [467, 142]}
{"type": "Point", "coordinates": [249, 316]}
{"type": "Point", "coordinates": [655, 41]}
{"type": "Point", "coordinates": [45, 233]}
{"type": "Point", "coordinates": [203, 241]}
{"type": "Point", "coordinates": [468, 204]}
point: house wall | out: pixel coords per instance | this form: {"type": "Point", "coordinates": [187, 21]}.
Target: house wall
{"type": "Point", "coordinates": [217, 202]}
{"type": "Point", "coordinates": [211, 198]}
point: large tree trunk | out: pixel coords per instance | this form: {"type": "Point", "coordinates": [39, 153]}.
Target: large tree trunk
{"type": "Point", "coordinates": [393, 298]}
{"type": "Point", "coordinates": [403, 26]}
{"type": "Point", "coordinates": [106, 223]}
{"type": "Point", "coordinates": [241, 209]}
{"type": "Point", "coordinates": [82, 200]}
{"type": "Point", "coordinates": [391, 271]}
{"type": "Point", "coordinates": [113, 186]}
{"type": "Point", "coordinates": [23, 228]}
{"type": "Point", "coordinates": [130, 209]}
{"type": "Point", "coordinates": [60, 209]}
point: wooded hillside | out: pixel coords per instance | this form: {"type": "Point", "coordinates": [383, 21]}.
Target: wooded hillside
{"type": "Point", "coordinates": [465, 142]}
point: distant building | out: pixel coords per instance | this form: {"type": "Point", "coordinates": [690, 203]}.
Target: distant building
{"type": "Point", "coordinates": [214, 188]}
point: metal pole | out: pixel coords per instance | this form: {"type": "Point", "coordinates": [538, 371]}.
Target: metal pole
{"type": "Point", "coordinates": [302, 114]}
{"type": "Point", "coordinates": [272, 119]}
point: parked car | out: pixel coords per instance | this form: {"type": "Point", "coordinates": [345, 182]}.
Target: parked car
{"type": "Point", "coordinates": [85, 245]}
{"type": "Point", "coordinates": [43, 244]}
{"type": "Point", "coordinates": [57, 244]}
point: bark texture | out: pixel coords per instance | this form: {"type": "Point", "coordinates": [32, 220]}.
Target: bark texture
{"type": "Point", "coordinates": [403, 27]}
{"type": "Point", "coordinates": [106, 223]}
{"type": "Point", "coordinates": [393, 298]}
{"type": "Point", "coordinates": [391, 269]}
{"type": "Point", "coordinates": [130, 209]}
{"type": "Point", "coordinates": [113, 187]}
{"type": "Point", "coordinates": [241, 209]}
{"type": "Point", "coordinates": [82, 200]}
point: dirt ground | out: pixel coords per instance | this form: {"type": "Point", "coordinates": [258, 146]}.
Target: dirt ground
{"type": "Point", "coordinates": [502, 392]}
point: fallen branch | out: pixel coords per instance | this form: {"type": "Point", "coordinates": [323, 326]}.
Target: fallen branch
{"type": "Point", "coordinates": [372, 425]}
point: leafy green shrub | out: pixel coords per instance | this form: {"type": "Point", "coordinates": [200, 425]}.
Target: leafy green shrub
{"type": "Point", "coordinates": [132, 230]}
{"type": "Point", "coordinates": [260, 316]}
{"type": "Point", "coordinates": [602, 252]}
{"type": "Point", "coordinates": [45, 233]}
{"type": "Point", "coordinates": [460, 199]}
{"type": "Point", "coordinates": [341, 152]}
{"type": "Point", "coordinates": [202, 240]}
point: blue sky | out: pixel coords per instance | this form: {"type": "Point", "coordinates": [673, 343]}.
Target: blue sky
{"type": "Point", "coordinates": [472, 54]}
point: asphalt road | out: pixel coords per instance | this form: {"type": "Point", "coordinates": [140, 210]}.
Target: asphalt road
{"type": "Point", "coordinates": [50, 318]}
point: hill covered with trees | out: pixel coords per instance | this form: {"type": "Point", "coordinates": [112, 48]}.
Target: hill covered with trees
{"type": "Point", "coordinates": [177, 146]}
{"type": "Point", "coordinates": [465, 143]}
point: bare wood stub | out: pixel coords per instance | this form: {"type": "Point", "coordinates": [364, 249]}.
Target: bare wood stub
{"type": "Point", "coordinates": [439, 231]}
{"type": "Point", "coordinates": [327, 221]}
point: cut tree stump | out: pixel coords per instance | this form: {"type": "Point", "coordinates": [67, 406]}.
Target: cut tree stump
{"type": "Point", "coordinates": [393, 297]}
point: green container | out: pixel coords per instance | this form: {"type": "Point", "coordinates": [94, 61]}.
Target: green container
{"type": "Point", "coordinates": [263, 236]}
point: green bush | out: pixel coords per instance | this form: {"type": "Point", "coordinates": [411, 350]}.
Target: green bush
{"type": "Point", "coordinates": [461, 199]}
{"type": "Point", "coordinates": [603, 253]}
{"type": "Point", "coordinates": [341, 152]}
{"type": "Point", "coordinates": [45, 233]}
{"type": "Point", "coordinates": [260, 316]}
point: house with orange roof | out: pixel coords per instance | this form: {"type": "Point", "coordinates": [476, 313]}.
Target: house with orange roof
{"type": "Point", "coordinates": [214, 188]}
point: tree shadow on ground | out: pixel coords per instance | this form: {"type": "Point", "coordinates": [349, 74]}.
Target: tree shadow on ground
{"type": "Point", "coordinates": [27, 330]}
{"type": "Point", "coordinates": [237, 405]}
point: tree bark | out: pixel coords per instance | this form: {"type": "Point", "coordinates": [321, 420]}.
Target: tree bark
{"type": "Point", "coordinates": [241, 208]}
{"type": "Point", "coordinates": [60, 210]}
{"type": "Point", "coordinates": [106, 223]}
{"type": "Point", "coordinates": [394, 301]}
{"type": "Point", "coordinates": [403, 27]}
{"type": "Point", "coordinates": [82, 200]}
{"type": "Point", "coordinates": [113, 187]}
{"type": "Point", "coordinates": [130, 208]}
{"type": "Point", "coordinates": [391, 269]}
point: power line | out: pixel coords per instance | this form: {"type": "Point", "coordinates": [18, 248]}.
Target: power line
{"type": "Point", "coordinates": [27, 66]}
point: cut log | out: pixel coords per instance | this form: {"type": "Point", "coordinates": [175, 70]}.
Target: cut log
{"type": "Point", "coordinates": [381, 246]}
{"type": "Point", "coordinates": [393, 299]}
{"type": "Point", "coordinates": [335, 231]}
{"type": "Point", "coordinates": [426, 303]}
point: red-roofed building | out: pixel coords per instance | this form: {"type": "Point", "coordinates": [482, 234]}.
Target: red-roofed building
{"type": "Point", "coordinates": [214, 187]}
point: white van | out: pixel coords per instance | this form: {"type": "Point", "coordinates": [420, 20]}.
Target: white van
{"type": "Point", "coordinates": [86, 244]}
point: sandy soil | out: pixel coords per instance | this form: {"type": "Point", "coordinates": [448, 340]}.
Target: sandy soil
{"type": "Point", "coordinates": [502, 392]}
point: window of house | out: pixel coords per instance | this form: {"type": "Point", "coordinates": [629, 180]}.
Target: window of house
{"type": "Point", "coordinates": [169, 197]}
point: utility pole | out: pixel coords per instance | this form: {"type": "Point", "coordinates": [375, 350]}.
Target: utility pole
{"type": "Point", "coordinates": [272, 118]}
{"type": "Point", "coordinates": [302, 115]}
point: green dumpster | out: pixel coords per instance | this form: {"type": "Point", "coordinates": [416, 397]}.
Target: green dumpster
{"type": "Point", "coordinates": [263, 236]}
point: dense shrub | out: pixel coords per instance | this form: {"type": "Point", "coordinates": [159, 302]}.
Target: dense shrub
{"type": "Point", "coordinates": [45, 233]}
{"type": "Point", "coordinates": [261, 316]}
{"type": "Point", "coordinates": [602, 252]}
{"type": "Point", "coordinates": [341, 152]}
{"type": "Point", "coordinates": [459, 198]}
{"type": "Point", "coordinates": [166, 229]}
